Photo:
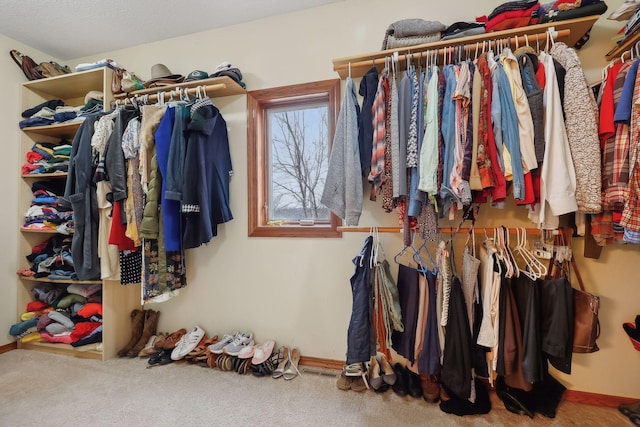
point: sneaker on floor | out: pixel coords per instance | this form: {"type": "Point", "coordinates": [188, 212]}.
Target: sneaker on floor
{"type": "Point", "coordinates": [188, 342]}
{"type": "Point", "coordinates": [239, 342]}
{"type": "Point", "coordinates": [219, 346]}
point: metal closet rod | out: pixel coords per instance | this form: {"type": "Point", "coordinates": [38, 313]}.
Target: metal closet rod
{"type": "Point", "coordinates": [476, 229]}
{"type": "Point", "coordinates": [154, 96]}
{"type": "Point", "coordinates": [448, 49]}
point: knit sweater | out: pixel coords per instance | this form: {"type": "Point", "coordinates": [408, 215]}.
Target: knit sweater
{"type": "Point", "coordinates": [582, 130]}
{"type": "Point", "coordinates": [342, 192]}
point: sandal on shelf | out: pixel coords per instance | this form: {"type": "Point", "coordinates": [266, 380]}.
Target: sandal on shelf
{"type": "Point", "coordinates": [283, 362]}
{"type": "Point", "coordinates": [292, 369]}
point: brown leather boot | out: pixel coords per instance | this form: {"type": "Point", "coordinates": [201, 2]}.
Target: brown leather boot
{"type": "Point", "coordinates": [149, 329]}
{"type": "Point", "coordinates": [430, 388]}
{"type": "Point", "coordinates": [137, 323]}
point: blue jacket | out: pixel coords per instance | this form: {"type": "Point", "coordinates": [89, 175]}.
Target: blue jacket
{"type": "Point", "coordinates": [205, 201]}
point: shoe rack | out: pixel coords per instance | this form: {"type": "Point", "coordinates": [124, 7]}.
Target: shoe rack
{"type": "Point", "coordinates": [117, 301]}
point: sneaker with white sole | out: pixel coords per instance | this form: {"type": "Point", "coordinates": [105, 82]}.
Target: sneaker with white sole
{"type": "Point", "coordinates": [219, 346]}
{"type": "Point", "coordinates": [188, 342]}
{"type": "Point", "coordinates": [239, 342]}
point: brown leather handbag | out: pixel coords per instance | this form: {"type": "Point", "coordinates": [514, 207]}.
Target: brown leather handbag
{"type": "Point", "coordinates": [27, 65]}
{"type": "Point", "coordinates": [586, 326]}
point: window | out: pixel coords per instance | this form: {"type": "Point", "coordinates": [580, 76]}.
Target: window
{"type": "Point", "coordinates": [290, 130]}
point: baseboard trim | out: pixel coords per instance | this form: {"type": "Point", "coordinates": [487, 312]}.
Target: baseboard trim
{"type": "Point", "coordinates": [8, 347]}
{"type": "Point", "coordinates": [575, 396]}
{"type": "Point", "coordinates": [318, 362]}
{"type": "Point", "coordinates": [596, 399]}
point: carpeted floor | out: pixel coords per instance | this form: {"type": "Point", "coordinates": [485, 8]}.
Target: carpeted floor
{"type": "Point", "coordinates": [46, 389]}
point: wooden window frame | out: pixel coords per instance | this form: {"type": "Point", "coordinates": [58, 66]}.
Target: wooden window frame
{"type": "Point", "coordinates": [258, 102]}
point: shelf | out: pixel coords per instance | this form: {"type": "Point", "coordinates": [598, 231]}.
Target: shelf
{"type": "Point", "coordinates": [64, 87]}
{"type": "Point", "coordinates": [624, 45]}
{"type": "Point", "coordinates": [58, 348]}
{"type": "Point", "coordinates": [360, 64]}
{"type": "Point", "coordinates": [45, 175]}
{"type": "Point", "coordinates": [61, 130]}
{"type": "Point", "coordinates": [64, 282]}
{"type": "Point", "coordinates": [227, 86]}
{"type": "Point", "coordinates": [39, 231]}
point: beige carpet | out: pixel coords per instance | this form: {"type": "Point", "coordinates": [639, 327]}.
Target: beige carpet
{"type": "Point", "coordinates": [50, 390]}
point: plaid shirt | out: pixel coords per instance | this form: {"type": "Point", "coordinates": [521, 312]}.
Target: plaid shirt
{"type": "Point", "coordinates": [379, 130]}
{"type": "Point", "coordinates": [631, 213]}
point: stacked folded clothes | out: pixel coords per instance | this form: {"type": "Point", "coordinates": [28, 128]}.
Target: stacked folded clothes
{"type": "Point", "coordinates": [52, 259]}
{"type": "Point", "coordinates": [562, 10]}
{"type": "Point", "coordinates": [409, 32]}
{"type": "Point", "coordinates": [45, 213]}
{"type": "Point", "coordinates": [511, 14]}
{"type": "Point", "coordinates": [55, 111]}
{"type": "Point", "coordinates": [62, 314]}
{"type": "Point", "coordinates": [46, 157]}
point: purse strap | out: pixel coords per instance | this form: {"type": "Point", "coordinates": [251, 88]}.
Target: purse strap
{"type": "Point", "coordinates": [567, 233]}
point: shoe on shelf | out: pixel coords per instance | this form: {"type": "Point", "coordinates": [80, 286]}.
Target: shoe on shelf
{"type": "Point", "coordinates": [239, 342]}
{"type": "Point", "coordinates": [292, 370]}
{"type": "Point", "coordinates": [220, 345]}
{"type": "Point", "coordinates": [188, 342]}
{"type": "Point", "coordinates": [283, 362]}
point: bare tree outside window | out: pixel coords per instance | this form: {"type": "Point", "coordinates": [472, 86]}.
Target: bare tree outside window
{"type": "Point", "coordinates": [289, 135]}
{"type": "Point", "coordinates": [299, 160]}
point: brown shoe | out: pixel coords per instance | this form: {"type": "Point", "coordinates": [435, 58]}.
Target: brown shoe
{"type": "Point", "coordinates": [171, 340]}
{"type": "Point", "coordinates": [344, 382]}
{"type": "Point", "coordinates": [430, 388]}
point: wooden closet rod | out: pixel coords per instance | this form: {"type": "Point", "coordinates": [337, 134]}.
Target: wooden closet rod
{"type": "Point", "coordinates": [476, 230]}
{"type": "Point", "coordinates": [153, 92]}
{"type": "Point", "coordinates": [447, 46]}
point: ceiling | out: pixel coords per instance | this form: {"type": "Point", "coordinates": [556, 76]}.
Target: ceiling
{"type": "Point", "coordinates": [68, 29]}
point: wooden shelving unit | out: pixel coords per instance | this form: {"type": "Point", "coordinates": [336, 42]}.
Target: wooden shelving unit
{"type": "Point", "coordinates": [117, 300]}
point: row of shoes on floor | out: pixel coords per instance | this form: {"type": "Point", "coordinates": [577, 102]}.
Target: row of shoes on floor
{"type": "Point", "coordinates": [380, 375]}
{"type": "Point", "coordinates": [234, 352]}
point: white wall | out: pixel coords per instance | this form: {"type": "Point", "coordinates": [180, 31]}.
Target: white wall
{"type": "Point", "coordinates": [297, 290]}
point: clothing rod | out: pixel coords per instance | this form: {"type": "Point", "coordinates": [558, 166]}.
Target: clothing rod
{"type": "Point", "coordinates": [153, 96]}
{"type": "Point", "coordinates": [476, 230]}
{"type": "Point", "coordinates": [446, 46]}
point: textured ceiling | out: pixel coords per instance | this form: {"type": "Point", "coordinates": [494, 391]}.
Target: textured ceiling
{"type": "Point", "coordinates": [67, 29]}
